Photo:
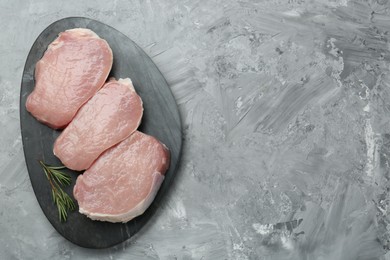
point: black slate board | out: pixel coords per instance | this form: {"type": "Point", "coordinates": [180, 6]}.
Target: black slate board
{"type": "Point", "coordinates": [161, 119]}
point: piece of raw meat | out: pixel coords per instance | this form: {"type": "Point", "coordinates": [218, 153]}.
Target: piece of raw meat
{"type": "Point", "coordinates": [124, 180]}
{"type": "Point", "coordinates": [109, 117]}
{"type": "Point", "coordinates": [73, 68]}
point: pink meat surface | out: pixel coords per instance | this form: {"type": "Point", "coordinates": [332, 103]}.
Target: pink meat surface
{"type": "Point", "coordinates": [109, 117]}
{"type": "Point", "coordinates": [124, 180]}
{"type": "Point", "coordinates": [73, 68]}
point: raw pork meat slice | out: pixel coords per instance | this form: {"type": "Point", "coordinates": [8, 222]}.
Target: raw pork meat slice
{"type": "Point", "coordinates": [124, 180]}
{"type": "Point", "coordinates": [73, 68]}
{"type": "Point", "coordinates": [109, 117]}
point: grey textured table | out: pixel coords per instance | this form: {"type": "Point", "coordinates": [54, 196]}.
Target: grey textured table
{"type": "Point", "coordinates": [285, 106]}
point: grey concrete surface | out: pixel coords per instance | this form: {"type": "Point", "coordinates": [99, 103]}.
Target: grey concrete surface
{"type": "Point", "coordinates": [285, 107]}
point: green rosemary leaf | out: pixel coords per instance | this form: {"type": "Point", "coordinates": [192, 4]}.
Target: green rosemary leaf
{"type": "Point", "coordinates": [61, 199]}
{"type": "Point", "coordinates": [61, 178]}
{"type": "Point", "coordinates": [53, 195]}
{"type": "Point", "coordinates": [56, 168]}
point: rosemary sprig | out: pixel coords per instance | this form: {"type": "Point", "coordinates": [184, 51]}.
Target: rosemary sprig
{"type": "Point", "coordinates": [60, 198]}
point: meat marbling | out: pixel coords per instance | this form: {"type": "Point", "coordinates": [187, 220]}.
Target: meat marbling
{"type": "Point", "coordinates": [109, 117]}
{"type": "Point", "coordinates": [122, 183]}
{"type": "Point", "coordinates": [73, 68]}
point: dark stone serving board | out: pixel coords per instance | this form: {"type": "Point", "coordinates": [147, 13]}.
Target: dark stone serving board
{"type": "Point", "coordinates": [161, 119]}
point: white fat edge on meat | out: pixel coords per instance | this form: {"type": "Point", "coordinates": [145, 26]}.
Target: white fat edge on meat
{"type": "Point", "coordinates": [83, 32]}
{"type": "Point", "coordinates": [127, 82]}
{"type": "Point", "coordinates": [79, 31]}
{"type": "Point", "coordinates": [139, 209]}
